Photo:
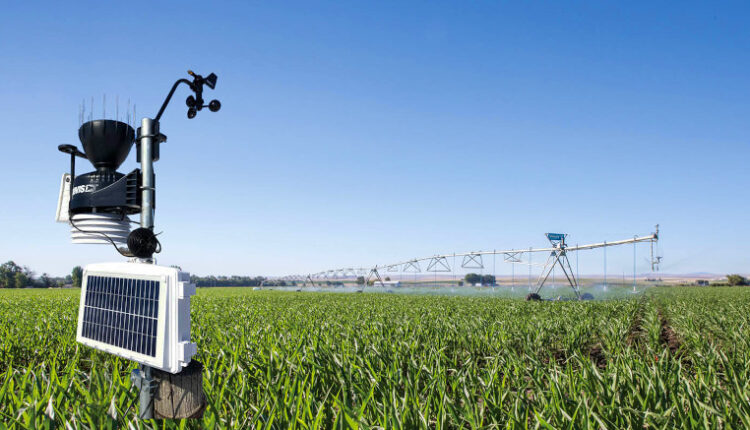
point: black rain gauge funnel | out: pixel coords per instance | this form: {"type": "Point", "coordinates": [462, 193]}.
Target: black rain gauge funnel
{"type": "Point", "coordinates": [106, 142]}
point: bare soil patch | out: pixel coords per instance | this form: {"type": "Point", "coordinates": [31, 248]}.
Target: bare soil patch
{"type": "Point", "coordinates": [636, 333]}
{"type": "Point", "coordinates": [668, 337]}
{"type": "Point", "coordinates": [597, 356]}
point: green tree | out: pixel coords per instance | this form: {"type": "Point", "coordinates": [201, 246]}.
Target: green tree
{"type": "Point", "coordinates": [472, 278]}
{"type": "Point", "coordinates": [8, 272]}
{"type": "Point", "coordinates": [45, 281]}
{"type": "Point", "coordinates": [360, 280]}
{"type": "Point", "coordinates": [736, 280]}
{"type": "Point", "coordinates": [77, 275]}
{"type": "Point", "coordinates": [21, 280]}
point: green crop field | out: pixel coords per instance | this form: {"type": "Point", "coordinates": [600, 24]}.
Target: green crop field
{"type": "Point", "coordinates": [671, 358]}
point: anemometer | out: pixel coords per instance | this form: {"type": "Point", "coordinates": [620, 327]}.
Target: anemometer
{"type": "Point", "coordinates": [134, 309]}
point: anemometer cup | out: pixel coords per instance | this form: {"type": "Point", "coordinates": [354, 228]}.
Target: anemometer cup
{"type": "Point", "coordinates": [195, 101]}
{"type": "Point", "coordinates": [106, 142]}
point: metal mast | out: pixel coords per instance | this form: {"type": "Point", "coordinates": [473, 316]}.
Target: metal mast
{"type": "Point", "coordinates": [655, 260]}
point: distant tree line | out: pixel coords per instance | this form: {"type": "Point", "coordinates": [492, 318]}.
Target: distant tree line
{"type": "Point", "coordinates": [14, 276]}
{"type": "Point", "coordinates": [733, 280]}
{"type": "Point", "coordinates": [736, 280]}
{"type": "Point", "coordinates": [474, 278]}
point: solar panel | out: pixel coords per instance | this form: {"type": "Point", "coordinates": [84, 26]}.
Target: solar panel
{"type": "Point", "coordinates": [138, 311]}
{"type": "Point", "coordinates": [122, 312]}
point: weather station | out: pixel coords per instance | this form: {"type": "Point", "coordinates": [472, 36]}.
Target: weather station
{"type": "Point", "coordinates": [135, 308]}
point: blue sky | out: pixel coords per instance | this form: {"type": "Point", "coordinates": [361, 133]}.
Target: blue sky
{"type": "Point", "coordinates": [355, 133]}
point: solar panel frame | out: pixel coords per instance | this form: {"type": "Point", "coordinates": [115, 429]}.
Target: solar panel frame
{"type": "Point", "coordinates": [112, 341]}
{"type": "Point", "coordinates": [173, 349]}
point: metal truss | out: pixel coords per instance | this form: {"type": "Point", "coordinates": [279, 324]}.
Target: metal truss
{"type": "Point", "coordinates": [473, 261]}
{"type": "Point", "coordinates": [558, 257]}
{"type": "Point", "coordinates": [512, 257]}
{"type": "Point", "coordinates": [438, 264]}
{"type": "Point", "coordinates": [411, 266]}
{"type": "Point", "coordinates": [374, 276]}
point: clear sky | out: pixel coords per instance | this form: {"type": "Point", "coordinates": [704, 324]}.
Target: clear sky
{"type": "Point", "coordinates": [355, 133]}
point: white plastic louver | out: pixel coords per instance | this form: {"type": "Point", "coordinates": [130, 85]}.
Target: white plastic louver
{"type": "Point", "coordinates": [137, 311]}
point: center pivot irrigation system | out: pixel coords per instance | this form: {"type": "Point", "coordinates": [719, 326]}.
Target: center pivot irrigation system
{"type": "Point", "coordinates": [135, 309]}
{"type": "Point", "coordinates": [447, 263]}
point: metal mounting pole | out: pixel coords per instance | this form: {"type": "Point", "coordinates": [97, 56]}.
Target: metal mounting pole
{"type": "Point", "coordinates": [145, 383]}
{"type": "Point", "coordinates": [148, 138]}
{"type": "Point", "coordinates": [147, 135]}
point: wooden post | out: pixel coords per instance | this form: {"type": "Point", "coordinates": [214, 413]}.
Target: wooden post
{"type": "Point", "coordinates": [180, 395]}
